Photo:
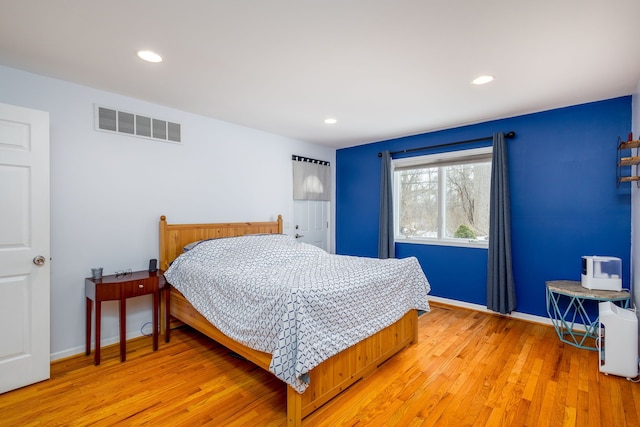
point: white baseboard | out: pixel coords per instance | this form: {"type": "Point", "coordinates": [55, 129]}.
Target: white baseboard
{"type": "Point", "coordinates": [75, 351]}
{"type": "Point", "coordinates": [478, 307]}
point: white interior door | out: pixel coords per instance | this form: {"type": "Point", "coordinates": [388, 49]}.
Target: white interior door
{"type": "Point", "coordinates": [312, 223]}
{"type": "Point", "coordinates": [24, 247]}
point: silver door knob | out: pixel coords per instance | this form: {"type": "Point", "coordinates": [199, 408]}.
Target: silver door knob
{"type": "Point", "coordinates": [298, 235]}
{"type": "Point", "coordinates": [39, 260]}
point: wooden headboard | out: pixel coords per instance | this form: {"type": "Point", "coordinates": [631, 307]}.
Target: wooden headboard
{"type": "Point", "coordinates": [173, 237]}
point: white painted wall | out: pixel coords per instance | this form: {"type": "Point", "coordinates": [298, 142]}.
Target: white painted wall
{"type": "Point", "coordinates": [108, 191]}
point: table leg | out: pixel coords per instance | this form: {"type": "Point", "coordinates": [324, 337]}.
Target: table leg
{"type": "Point", "coordinates": [89, 309]}
{"type": "Point", "coordinates": [155, 320]}
{"type": "Point", "coordinates": [123, 329]}
{"type": "Point", "coordinates": [98, 316]}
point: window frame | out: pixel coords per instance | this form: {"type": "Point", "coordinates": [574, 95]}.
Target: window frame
{"type": "Point", "coordinates": [472, 155]}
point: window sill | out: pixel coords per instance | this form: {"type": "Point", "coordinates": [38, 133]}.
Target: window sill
{"type": "Point", "coordinates": [463, 244]}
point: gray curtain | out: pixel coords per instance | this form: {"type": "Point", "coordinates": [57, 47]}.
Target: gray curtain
{"type": "Point", "coordinates": [501, 294]}
{"type": "Point", "coordinates": [386, 244]}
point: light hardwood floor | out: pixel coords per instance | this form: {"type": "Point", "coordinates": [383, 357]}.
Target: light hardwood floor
{"type": "Point", "coordinates": [468, 369]}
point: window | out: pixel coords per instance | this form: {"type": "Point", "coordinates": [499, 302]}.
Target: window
{"type": "Point", "coordinates": [443, 198]}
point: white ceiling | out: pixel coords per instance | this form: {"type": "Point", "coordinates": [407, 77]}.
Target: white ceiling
{"type": "Point", "coordinates": [382, 68]}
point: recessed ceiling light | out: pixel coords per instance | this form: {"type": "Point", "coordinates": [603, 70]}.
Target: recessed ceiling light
{"type": "Point", "coordinates": [330, 121]}
{"type": "Point", "coordinates": [482, 80]}
{"type": "Point", "coordinates": [149, 56]}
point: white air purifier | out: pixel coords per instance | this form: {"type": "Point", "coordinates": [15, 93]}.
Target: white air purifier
{"type": "Point", "coordinates": [618, 340]}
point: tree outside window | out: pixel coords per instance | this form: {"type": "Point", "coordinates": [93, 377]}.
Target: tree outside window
{"type": "Point", "coordinates": [446, 200]}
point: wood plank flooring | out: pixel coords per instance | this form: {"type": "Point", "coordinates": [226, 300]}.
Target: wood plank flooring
{"type": "Point", "coordinates": [468, 369]}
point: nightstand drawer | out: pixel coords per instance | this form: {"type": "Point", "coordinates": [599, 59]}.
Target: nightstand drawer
{"type": "Point", "coordinates": [139, 287]}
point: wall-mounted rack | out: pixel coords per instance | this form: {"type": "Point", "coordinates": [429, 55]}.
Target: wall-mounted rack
{"type": "Point", "coordinates": [633, 160]}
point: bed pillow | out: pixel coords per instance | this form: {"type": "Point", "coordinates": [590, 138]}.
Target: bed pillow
{"type": "Point", "coordinates": [192, 245]}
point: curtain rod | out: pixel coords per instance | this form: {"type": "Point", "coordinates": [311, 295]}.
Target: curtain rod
{"type": "Point", "coordinates": [510, 134]}
{"type": "Point", "coordinates": [309, 160]}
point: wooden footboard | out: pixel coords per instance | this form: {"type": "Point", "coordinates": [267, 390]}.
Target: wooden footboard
{"type": "Point", "coordinates": [334, 375]}
{"type": "Point", "coordinates": [328, 379]}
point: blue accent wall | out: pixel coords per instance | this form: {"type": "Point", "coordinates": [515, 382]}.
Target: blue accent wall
{"type": "Point", "coordinates": [564, 201]}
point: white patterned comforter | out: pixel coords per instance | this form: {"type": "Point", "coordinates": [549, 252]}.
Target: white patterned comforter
{"type": "Point", "coordinates": [294, 300]}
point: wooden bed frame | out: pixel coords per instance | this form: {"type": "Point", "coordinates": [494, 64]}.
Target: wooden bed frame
{"type": "Point", "coordinates": [326, 380]}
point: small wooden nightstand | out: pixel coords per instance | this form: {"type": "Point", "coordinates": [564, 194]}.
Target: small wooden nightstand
{"type": "Point", "coordinates": [120, 287]}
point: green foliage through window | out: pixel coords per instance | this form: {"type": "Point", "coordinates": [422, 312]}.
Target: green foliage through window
{"type": "Point", "coordinates": [464, 232]}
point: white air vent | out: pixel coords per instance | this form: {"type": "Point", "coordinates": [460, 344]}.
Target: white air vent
{"type": "Point", "coordinates": [111, 120]}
